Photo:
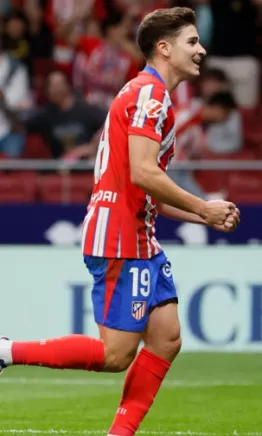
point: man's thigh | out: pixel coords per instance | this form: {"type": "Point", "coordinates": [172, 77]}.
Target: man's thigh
{"type": "Point", "coordinates": [123, 291]}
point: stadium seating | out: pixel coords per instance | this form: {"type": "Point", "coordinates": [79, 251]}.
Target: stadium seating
{"type": "Point", "coordinates": [18, 187]}
{"type": "Point", "coordinates": [245, 186]}
{"type": "Point", "coordinates": [36, 148]}
{"type": "Point", "coordinates": [30, 186]}
{"type": "Point", "coordinates": [65, 188]}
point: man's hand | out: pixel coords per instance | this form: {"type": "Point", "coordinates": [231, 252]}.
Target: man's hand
{"type": "Point", "coordinates": [217, 212]}
{"type": "Point", "coordinates": [230, 224]}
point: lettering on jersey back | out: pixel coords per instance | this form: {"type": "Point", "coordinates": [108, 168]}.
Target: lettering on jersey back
{"type": "Point", "coordinates": [108, 196]}
{"type": "Point", "coordinates": [124, 89]}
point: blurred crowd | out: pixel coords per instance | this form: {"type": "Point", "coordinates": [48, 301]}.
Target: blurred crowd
{"type": "Point", "coordinates": [63, 61]}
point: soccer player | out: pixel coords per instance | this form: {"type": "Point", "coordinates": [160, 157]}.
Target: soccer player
{"type": "Point", "coordinates": [134, 295]}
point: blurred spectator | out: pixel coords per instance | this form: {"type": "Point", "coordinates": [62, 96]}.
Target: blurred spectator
{"type": "Point", "coordinates": [66, 17]}
{"type": "Point", "coordinates": [204, 20]}
{"type": "Point", "coordinates": [14, 97]}
{"type": "Point", "coordinates": [221, 115]}
{"type": "Point", "coordinates": [218, 114]}
{"type": "Point", "coordinates": [103, 66]}
{"type": "Point", "coordinates": [212, 80]}
{"type": "Point", "coordinates": [68, 125]}
{"type": "Point", "coordinates": [211, 123]}
{"type": "Point", "coordinates": [15, 38]}
{"type": "Point", "coordinates": [189, 137]}
{"type": "Point", "coordinates": [5, 7]}
{"type": "Point", "coordinates": [135, 10]}
{"type": "Point", "coordinates": [233, 46]}
{"type": "Point", "coordinates": [39, 34]}
{"type": "Point", "coordinates": [223, 124]}
{"type": "Point", "coordinates": [182, 96]}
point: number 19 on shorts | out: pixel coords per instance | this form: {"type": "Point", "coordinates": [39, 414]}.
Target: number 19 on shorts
{"type": "Point", "coordinates": [140, 282]}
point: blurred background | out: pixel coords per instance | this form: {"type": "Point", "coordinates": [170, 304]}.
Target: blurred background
{"type": "Point", "coordinates": [61, 64]}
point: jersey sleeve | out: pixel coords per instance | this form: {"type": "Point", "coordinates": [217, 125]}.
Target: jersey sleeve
{"type": "Point", "coordinates": [148, 112]}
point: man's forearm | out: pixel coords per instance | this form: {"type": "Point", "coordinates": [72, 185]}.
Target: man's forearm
{"type": "Point", "coordinates": [174, 213]}
{"type": "Point", "coordinates": [158, 185]}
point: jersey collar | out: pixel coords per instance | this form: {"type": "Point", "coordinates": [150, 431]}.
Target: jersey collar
{"type": "Point", "coordinates": [154, 72]}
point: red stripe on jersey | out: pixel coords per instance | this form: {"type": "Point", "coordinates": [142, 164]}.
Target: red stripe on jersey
{"type": "Point", "coordinates": [114, 233]}
{"type": "Point", "coordinates": [113, 271]}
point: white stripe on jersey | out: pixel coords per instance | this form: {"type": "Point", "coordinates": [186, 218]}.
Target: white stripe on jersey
{"type": "Point", "coordinates": [144, 96]}
{"type": "Point", "coordinates": [155, 241]}
{"type": "Point", "coordinates": [167, 142]}
{"type": "Point", "coordinates": [100, 231]}
{"type": "Point", "coordinates": [163, 114]}
{"type": "Point", "coordinates": [119, 246]}
{"type": "Point", "coordinates": [156, 245]}
{"type": "Point", "coordinates": [148, 224]}
{"type": "Point", "coordinates": [137, 246]}
{"type": "Point", "coordinates": [85, 226]}
{"type": "Point", "coordinates": [170, 135]}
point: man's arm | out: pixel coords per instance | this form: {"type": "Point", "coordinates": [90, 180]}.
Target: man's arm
{"type": "Point", "coordinates": [145, 173]}
{"type": "Point", "coordinates": [173, 213]}
{"type": "Point", "coordinates": [179, 215]}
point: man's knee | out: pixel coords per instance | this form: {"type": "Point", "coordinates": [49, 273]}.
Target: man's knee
{"type": "Point", "coordinates": [120, 348]}
{"type": "Point", "coordinates": [172, 346]}
{"type": "Point", "coordinates": [165, 346]}
{"type": "Point", "coordinates": [118, 360]}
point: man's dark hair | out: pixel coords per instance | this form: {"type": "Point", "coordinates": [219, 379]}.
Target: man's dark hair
{"type": "Point", "coordinates": [162, 23]}
{"type": "Point", "coordinates": [224, 99]}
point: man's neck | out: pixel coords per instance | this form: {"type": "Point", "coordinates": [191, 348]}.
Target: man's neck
{"type": "Point", "coordinates": [169, 78]}
{"type": "Point", "coordinates": [67, 103]}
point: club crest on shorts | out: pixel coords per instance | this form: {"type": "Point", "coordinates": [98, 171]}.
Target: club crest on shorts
{"type": "Point", "coordinates": [138, 309]}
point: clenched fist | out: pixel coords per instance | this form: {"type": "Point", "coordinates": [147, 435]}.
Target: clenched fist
{"type": "Point", "coordinates": [216, 212]}
{"type": "Point", "coordinates": [230, 224]}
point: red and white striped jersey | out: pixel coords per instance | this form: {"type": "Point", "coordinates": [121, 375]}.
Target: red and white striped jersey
{"type": "Point", "coordinates": [120, 220]}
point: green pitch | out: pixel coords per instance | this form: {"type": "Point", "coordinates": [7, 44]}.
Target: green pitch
{"type": "Point", "coordinates": [205, 394]}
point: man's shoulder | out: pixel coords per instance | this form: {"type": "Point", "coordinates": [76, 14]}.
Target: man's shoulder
{"type": "Point", "coordinates": [144, 86]}
{"type": "Point", "coordinates": [145, 79]}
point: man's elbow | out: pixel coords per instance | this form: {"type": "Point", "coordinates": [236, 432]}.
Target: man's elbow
{"type": "Point", "coordinates": [142, 175]}
{"type": "Point", "coordinates": [137, 177]}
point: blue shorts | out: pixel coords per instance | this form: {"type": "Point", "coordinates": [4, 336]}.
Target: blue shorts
{"type": "Point", "coordinates": [125, 291]}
